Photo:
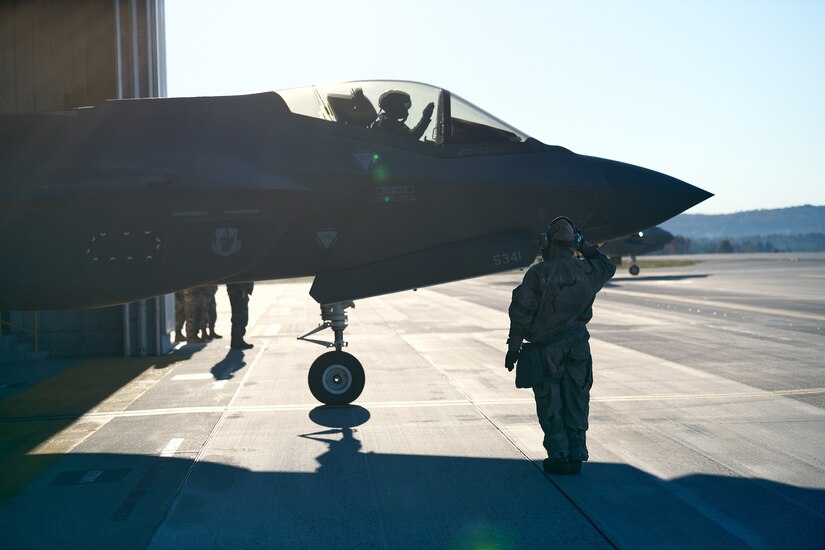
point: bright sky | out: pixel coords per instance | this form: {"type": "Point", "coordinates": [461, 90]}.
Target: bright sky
{"type": "Point", "coordinates": [728, 95]}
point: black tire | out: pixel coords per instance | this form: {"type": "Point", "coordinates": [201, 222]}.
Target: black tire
{"type": "Point", "coordinates": [634, 270]}
{"type": "Point", "coordinates": [336, 378]}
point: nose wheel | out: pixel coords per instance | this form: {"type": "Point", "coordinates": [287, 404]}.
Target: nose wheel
{"type": "Point", "coordinates": [634, 269]}
{"type": "Point", "coordinates": [336, 377]}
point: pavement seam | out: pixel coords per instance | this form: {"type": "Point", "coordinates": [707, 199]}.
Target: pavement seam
{"type": "Point", "coordinates": [708, 509]}
{"type": "Point", "coordinates": [520, 451]}
{"type": "Point", "coordinates": [740, 470]}
{"type": "Point", "coordinates": [209, 438]}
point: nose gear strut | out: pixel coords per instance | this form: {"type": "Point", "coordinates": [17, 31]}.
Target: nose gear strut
{"type": "Point", "coordinates": [334, 316]}
{"type": "Point", "coordinates": [336, 377]}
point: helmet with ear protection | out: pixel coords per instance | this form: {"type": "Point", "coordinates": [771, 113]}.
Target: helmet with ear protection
{"type": "Point", "coordinates": [546, 237]}
{"type": "Point", "coordinates": [395, 103]}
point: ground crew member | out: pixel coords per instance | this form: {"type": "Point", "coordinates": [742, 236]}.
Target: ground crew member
{"type": "Point", "coordinates": [194, 314]}
{"type": "Point", "coordinates": [180, 315]}
{"type": "Point", "coordinates": [551, 308]}
{"type": "Point", "coordinates": [210, 314]}
{"type": "Point", "coordinates": [239, 300]}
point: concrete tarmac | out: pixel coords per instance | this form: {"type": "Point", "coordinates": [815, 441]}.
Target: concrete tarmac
{"type": "Point", "coordinates": [707, 422]}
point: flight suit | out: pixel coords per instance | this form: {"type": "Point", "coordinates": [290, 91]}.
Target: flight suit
{"type": "Point", "coordinates": [180, 314]}
{"type": "Point", "coordinates": [210, 310]}
{"type": "Point", "coordinates": [194, 304]}
{"type": "Point", "coordinates": [239, 300]}
{"type": "Point", "coordinates": [551, 307]}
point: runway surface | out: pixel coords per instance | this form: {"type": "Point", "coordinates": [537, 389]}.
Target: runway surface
{"type": "Point", "coordinates": [707, 422]}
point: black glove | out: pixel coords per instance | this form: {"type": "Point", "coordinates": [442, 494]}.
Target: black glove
{"type": "Point", "coordinates": [588, 250]}
{"type": "Point", "coordinates": [511, 359]}
{"type": "Point", "coordinates": [428, 110]}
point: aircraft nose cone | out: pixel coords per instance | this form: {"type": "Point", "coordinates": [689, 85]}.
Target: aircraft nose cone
{"type": "Point", "coordinates": [639, 198]}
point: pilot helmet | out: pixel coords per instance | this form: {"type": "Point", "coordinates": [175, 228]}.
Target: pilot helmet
{"type": "Point", "coordinates": [395, 103]}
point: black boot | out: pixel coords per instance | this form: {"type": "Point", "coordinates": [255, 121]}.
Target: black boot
{"type": "Point", "coordinates": [558, 465]}
{"type": "Point", "coordinates": [213, 334]}
{"type": "Point", "coordinates": [240, 344]}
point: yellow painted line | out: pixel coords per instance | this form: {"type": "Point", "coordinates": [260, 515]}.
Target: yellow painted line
{"type": "Point", "coordinates": [732, 395]}
{"type": "Point", "coordinates": [704, 302]}
{"type": "Point", "coordinates": [69, 437]}
{"type": "Point", "coordinates": [106, 416]}
{"type": "Point", "coordinates": [675, 397]}
{"type": "Point", "coordinates": [40, 424]}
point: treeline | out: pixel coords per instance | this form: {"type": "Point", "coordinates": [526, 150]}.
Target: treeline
{"type": "Point", "coordinates": [780, 221]}
{"type": "Point", "coordinates": [809, 242]}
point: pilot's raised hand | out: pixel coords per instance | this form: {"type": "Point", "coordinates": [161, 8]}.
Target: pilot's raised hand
{"type": "Point", "coordinates": [428, 110]}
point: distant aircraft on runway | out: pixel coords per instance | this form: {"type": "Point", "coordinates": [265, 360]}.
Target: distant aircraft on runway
{"type": "Point", "coordinates": [636, 244]}
{"type": "Point", "coordinates": [136, 198]}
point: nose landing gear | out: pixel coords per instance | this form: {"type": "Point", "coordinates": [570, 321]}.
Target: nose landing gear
{"type": "Point", "coordinates": [634, 269]}
{"type": "Point", "coordinates": [336, 377]}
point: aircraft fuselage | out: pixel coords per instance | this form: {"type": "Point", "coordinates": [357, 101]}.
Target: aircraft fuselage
{"type": "Point", "coordinates": [137, 198]}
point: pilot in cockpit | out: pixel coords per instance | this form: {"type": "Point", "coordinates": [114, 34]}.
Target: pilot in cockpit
{"type": "Point", "coordinates": [395, 108]}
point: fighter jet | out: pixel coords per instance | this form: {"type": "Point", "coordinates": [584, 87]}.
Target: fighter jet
{"type": "Point", "coordinates": [636, 244]}
{"type": "Point", "coordinates": [137, 198]}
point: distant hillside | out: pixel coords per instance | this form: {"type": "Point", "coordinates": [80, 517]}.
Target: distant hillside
{"type": "Point", "coordinates": [781, 221]}
{"type": "Point", "coordinates": [796, 229]}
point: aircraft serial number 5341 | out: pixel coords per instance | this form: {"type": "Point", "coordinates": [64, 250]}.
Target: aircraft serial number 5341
{"type": "Point", "coordinates": [507, 258]}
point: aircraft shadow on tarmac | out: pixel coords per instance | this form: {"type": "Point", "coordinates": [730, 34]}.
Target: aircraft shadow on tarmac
{"type": "Point", "coordinates": [43, 410]}
{"type": "Point", "coordinates": [358, 499]}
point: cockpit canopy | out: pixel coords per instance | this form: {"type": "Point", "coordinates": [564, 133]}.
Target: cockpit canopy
{"type": "Point", "coordinates": [357, 103]}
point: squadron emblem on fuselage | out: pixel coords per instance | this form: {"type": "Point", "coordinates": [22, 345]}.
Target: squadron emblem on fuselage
{"type": "Point", "coordinates": [226, 241]}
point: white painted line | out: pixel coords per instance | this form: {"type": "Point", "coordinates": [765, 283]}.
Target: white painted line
{"type": "Point", "coordinates": [266, 330]}
{"type": "Point", "coordinates": [171, 447]}
{"type": "Point", "coordinates": [199, 376]}
{"type": "Point", "coordinates": [704, 302]}
{"type": "Point", "coordinates": [219, 385]}
{"type": "Point", "coordinates": [737, 395]}
{"type": "Point", "coordinates": [766, 394]}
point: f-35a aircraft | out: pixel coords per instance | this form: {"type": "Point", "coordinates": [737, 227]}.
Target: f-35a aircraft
{"type": "Point", "coordinates": [137, 198]}
{"type": "Point", "coordinates": [636, 244]}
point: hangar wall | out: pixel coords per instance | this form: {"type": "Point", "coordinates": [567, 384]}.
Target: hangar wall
{"type": "Point", "coordinates": [58, 54]}
{"type": "Point", "coordinates": [62, 54]}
